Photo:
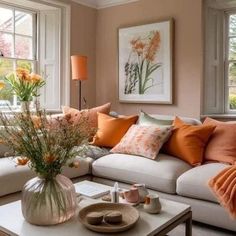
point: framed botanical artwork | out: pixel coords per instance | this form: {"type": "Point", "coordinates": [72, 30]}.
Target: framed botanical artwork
{"type": "Point", "coordinates": [145, 63]}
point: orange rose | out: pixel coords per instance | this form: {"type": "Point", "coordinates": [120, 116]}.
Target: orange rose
{"type": "Point", "coordinates": [22, 74]}
{"type": "Point", "coordinates": [35, 77]}
{"type": "Point", "coordinates": [76, 164]}
{"type": "Point", "coordinates": [22, 161]}
{"type": "Point", "coordinates": [2, 84]}
{"type": "Point", "coordinates": [49, 158]}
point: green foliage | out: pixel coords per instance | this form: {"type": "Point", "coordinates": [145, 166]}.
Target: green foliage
{"type": "Point", "coordinates": [25, 65]}
{"type": "Point", "coordinates": [232, 101]}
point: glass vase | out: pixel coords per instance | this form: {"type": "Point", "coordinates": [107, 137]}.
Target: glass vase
{"type": "Point", "coordinates": [48, 201]}
{"type": "Point", "coordinates": [25, 106]}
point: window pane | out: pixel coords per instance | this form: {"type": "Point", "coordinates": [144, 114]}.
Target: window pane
{"type": "Point", "coordinates": [232, 73]}
{"type": "Point", "coordinates": [232, 98]}
{"type": "Point", "coordinates": [23, 23]}
{"type": "Point", "coordinates": [6, 19]}
{"type": "Point", "coordinates": [232, 49]}
{"type": "Point", "coordinates": [23, 47]}
{"type": "Point", "coordinates": [25, 64]}
{"type": "Point", "coordinates": [232, 25]}
{"type": "Point", "coordinates": [6, 45]}
{"type": "Point", "coordinates": [6, 66]}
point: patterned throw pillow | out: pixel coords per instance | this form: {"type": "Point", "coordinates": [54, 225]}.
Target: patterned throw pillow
{"type": "Point", "coordinates": [91, 151]}
{"type": "Point", "coordinates": [90, 113]}
{"type": "Point", "coordinates": [143, 141]}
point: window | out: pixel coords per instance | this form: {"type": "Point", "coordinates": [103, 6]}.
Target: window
{"type": "Point", "coordinates": [231, 61]}
{"type": "Point", "coordinates": [18, 45]}
{"type": "Point", "coordinates": [219, 95]}
{"type": "Point", "coordinates": [36, 35]}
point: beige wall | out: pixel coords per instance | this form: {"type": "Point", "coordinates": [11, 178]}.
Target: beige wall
{"type": "Point", "coordinates": [83, 41]}
{"type": "Point", "coordinates": [187, 54]}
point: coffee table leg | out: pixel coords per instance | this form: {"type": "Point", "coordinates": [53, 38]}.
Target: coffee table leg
{"type": "Point", "coordinates": [188, 225]}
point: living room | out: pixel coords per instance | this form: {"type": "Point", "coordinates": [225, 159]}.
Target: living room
{"type": "Point", "coordinates": [145, 90]}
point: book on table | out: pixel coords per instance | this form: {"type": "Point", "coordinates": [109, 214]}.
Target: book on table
{"type": "Point", "coordinates": [91, 189]}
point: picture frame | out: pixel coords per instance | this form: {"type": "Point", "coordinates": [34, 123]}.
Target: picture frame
{"type": "Point", "coordinates": [145, 63]}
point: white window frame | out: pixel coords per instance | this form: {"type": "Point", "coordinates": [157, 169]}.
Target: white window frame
{"type": "Point", "coordinates": [227, 14]}
{"type": "Point", "coordinates": [215, 99]}
{"type": "Point", "coordinates": [34, 37]}
{"type": "Point", "coordinates": [65, 32]}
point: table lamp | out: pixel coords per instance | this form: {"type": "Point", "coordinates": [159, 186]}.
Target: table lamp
{"type": "Point", "coordinates": [79, 72]}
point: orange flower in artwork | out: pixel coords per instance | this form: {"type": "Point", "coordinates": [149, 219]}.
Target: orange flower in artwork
{"type": "Point", "coordinates": [153, 46]}
{"type": "Point", "coordinates": [138, 46]}
{"type": "Point", "coordinates": [134, 41]}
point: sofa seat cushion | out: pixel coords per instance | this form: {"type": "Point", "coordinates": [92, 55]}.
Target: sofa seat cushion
{"type": "Point", "coordinates": [13, 178]}
{"type": "Point", "coordinates": [160, 174]}
{"type": "Point", "coordinates": [194, 182]}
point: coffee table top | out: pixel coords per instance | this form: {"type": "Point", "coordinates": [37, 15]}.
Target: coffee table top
{"type": "Point", "coordinates": [13, 223]}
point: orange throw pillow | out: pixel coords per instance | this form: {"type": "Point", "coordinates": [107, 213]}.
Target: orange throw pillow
{"type": "Point", "coordinates": [90, 113]}
{"type": "Point", "coordinates": [111, 129]}
{"type": "Point", "coordinates": [188, 141]}
{"type": "Point", "coordinates": [222, 144]}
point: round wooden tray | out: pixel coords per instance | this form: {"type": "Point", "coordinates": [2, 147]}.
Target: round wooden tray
{"type": "Point", "coordinates": [130, 217]}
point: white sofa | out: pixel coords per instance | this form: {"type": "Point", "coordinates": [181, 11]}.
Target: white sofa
{"type": "Point", "coordinates": [171, 177]}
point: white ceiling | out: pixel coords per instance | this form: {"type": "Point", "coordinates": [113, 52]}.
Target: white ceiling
{"type": "Point", "coordinates": [98, 4]}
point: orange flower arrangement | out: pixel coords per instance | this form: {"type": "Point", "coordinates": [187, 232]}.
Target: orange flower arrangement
{"type": "Point", "coordinates": [24, 84]}
{"type": "Point", "coordinates": [2, 84]}
{"type": "Point", "coordinates": [43, 146]}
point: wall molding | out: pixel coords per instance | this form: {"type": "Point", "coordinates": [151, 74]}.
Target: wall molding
{"type": "Point", "coordinates": [99, 4]}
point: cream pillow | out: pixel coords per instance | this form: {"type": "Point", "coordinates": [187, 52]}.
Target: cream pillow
{"type": "Point", "coordinates": [143, 141]}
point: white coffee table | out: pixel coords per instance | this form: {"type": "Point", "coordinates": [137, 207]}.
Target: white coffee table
{"type": "Point", "coordinates": [172, 214]}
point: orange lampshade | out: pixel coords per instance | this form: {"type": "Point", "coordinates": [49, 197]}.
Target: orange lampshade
{"type": "Point", "coordinates": [79, 67]}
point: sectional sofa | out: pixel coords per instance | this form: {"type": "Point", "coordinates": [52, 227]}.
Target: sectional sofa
{"type": "Point", "coordinates": [171, 177]}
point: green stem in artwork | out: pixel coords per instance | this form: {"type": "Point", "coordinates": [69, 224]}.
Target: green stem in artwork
{"type": "Point", "coordinates": [140, 76]}
{"type": "Point", "coordinates": [149, 70]}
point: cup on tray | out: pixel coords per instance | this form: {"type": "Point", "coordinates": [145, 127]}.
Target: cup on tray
{"type": "Point", "coordinates": [131, 195]}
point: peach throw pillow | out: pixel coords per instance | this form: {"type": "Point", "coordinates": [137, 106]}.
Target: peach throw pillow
{"type": "Point", "coordinates": [90, 113]}
{"type": "Point", "coordinates": [143, 141]}
{"type": "Point", "coordinates": [111, 129]}
{"type": "Point", "coordinates": [222, 144]}
{"type": "Point", "coordinates": [188, 141]}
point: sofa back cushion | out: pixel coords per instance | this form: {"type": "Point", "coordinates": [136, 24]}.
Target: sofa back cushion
{"type": "Point", "coordinates": [187, 120]}
{"type": "Point", "coordinates": [91, 113]}
{"type": "Point", "coordinates": [111, 129]}
{"type": "Point", "coordinates": [146, 119]}
{"type": "Point", "coordinates": [188, 142]}
{"type": "Point", "coordinates": [222, 144]}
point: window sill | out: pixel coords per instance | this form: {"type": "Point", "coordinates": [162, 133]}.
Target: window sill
{"type": "Point", "coordinates": [220, 116]}
{"type": "Point", "coordinates": [50, 111]}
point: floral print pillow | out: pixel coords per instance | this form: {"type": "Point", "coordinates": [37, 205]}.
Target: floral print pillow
{"type": "Point", "coordinates": [143, 141]}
